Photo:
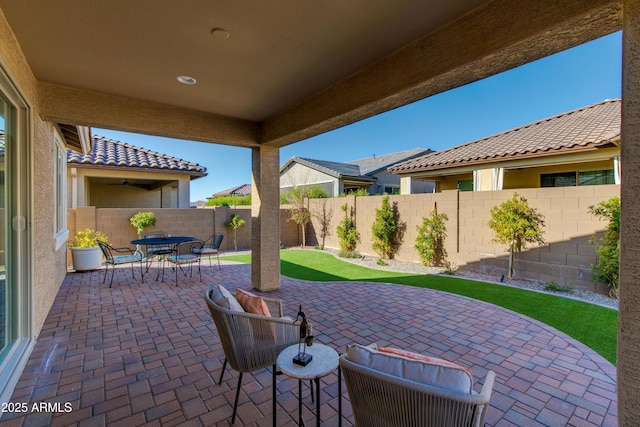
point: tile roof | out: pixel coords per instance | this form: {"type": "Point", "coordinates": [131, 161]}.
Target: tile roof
{"type": "Point", "coordinates": [589, 127]}
{"type": "Point", "coordinates": [361, 169]}
{"type": "Point", "coordinates": [240, 190]}
{"type": "Point", "coordinates": [374, 164]}
{"type": "Point", "coordinates": [108, 152]}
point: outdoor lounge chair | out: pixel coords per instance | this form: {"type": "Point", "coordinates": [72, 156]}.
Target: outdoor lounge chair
{"type": "Point", "coordinates": [210, 247]}
{"type": "Point", "coordinates": [392, 390]}
{"type": "Point", "coordinates": [127, 256]}
{"type": "Point", "coordinates": [250, 341]}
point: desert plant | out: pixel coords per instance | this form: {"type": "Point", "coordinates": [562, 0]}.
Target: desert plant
{"type": "Point", "coordinates": [234, 223]}
{"type": "Point", "coordinates": [347, 233]}
{"type": "Point", "coordinates": [607, 267]}
{"type": "Point", "coordinates": [554, 287]}
{"type": "Point", "coordinates": [142, 220]}
{"type": "Point", "coordinates": [324, 219]}
{"type": "Point", "coordinates": [430, 239]}
{"type": "Point", "coordinates": [384, 229]}
{"type": "Point", "coordinates": [87, 238]}
{"type": "Point", "coordinates": [515, 224]}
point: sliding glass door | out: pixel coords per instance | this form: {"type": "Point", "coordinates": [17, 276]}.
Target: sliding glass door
{"type": "Point", "coordinates": [15, 275]}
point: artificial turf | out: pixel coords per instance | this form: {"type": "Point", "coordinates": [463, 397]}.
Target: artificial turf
{"type": "Point", "coordinates": [590, 324]}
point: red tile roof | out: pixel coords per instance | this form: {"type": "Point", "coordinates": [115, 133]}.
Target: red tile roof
{"type": "Point", "coordinates": [589, 127]}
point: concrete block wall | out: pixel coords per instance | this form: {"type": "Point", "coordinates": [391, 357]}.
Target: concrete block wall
{"type": "Point", "coordinates": [565, 258]}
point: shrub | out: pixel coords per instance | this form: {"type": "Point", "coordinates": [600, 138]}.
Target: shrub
{"type": "Point", "coordinates": [384, 229]}
{"type": "Point", "coordinates": [607, 267]}
{"type": "Point", "coordinates": [87, 238]}
{"type": "Point", "coordinates": [515, 224]}
{"type": "Point", "coordinates": [348, 236]}
{"type": "Point", "coordinates": [142, 220]}
{"type": "Point", "coordinates": [234, 223]}
{"type": "Point", "coordinates": [554, 287]}
{"type": "Point", "coordinates": [230, 200]}
{"type": "Point", "coordinates": [430, 239]}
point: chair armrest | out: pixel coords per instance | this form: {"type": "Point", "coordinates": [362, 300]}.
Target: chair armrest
{"type": "Point", "coordinates": [275, 306]}
{"type": "Point", "coordinates": [122, 250]}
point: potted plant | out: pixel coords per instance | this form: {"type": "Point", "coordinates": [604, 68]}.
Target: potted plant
{"type": "Point", "coordinates": [85, 252]}
{"type": "Point", "coordinates": [142, 220]}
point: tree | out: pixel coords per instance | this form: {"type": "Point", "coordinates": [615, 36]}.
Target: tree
{"type": "Point", "coordinates": [515, 224]}
{"type": "Point", "coordinates": [347, 233]}
{"type": "Point", "coordinates": [384, 229]}
{"type": "Point", "coordinates": [234, 223]}
{"type": "Point", "coordinates": [607, 267]}
{"type": "Point", "coordinates": [300, 213]}
{"type": "Point", "coordinates": [430, 239]}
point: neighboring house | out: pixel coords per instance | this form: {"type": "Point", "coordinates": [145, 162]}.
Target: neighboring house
{"type": "Point", "coordinates": [118, 175]}
{"type": "Point", "coordinates": [579, 147]}
{"type": "Point", "coordinates": [338, 178]}
{"type": "Point", "coordinates": [240, 190]}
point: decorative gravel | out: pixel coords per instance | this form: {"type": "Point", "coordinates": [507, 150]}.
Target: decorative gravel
{"type": "Point", "coordinates": [416, 268]}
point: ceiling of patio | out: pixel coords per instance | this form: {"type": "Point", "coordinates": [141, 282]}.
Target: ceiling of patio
{"type": "Point", "coordinates": [289, 69]}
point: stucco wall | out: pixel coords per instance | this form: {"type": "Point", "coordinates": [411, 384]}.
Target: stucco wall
{"type": "Point", "coordinates": [300, 175]}
{"type": "Point", "coordinates": [50, 263]}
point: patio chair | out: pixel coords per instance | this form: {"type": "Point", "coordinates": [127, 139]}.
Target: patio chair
{"type": "Point", "coordinates": [157, 251]}
{"type": "Point", "coordinates": [391, 390]}
{"type": "Point", "coordinates": [128, 256]}
{"type": "Point", "coordinates": [183, 255]}
{"type": "Point", "coordinates": [250, 341]}
{"type": "Point", "coordinates": [210, 247]}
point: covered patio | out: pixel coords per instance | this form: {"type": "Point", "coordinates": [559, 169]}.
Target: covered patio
{"type": "Point", "coordinates": [147, 353]}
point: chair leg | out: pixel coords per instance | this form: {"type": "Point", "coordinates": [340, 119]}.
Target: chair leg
{"type": "Point", "coordinates": [106, 269]}
{"type": "Point", "coordinates": [273, 397]}
{"type": "Point", "coordinates": [235, 405]}
{"type": "Point", "coordinates": [113, 271]}
{"type": "Point", "coordinates": [224, 366]}
{"type": "Point", "coordinates": [218, 255]}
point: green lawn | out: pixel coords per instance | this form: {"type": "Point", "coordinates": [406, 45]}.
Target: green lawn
{"type": "Point", "coordinates": [595, 326]}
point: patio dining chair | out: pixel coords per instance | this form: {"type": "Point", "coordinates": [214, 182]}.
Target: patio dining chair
{"type": "Point", "coordinates": [210, 247]}
{"type": "Point", "coordinates": [118, 256]}
{"type": "Point", "coordinates": [250, 341]}
{"type": "Point", "coordinates": [184, 256]}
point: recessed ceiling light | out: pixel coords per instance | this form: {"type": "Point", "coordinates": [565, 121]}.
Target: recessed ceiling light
{"type": "Point", "coordinates": [187, 80]}
{"type": "Point", "coordinates": [220, 33]}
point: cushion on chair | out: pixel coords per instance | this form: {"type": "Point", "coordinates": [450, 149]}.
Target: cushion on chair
{"type": "Point", "coordinates": [221, 296]}
{"type": "Point", "coordinates": [424, 358]}
{"type": "Point", "coordinates": [454, 378]}
{"type": "Point", "coordinates": [252, 303]}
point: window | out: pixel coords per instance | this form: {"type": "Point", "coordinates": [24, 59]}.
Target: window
{"type": "Point", "coordinates": [571, 179]}
{"type": "Point", "coordinates": [596, 177]}
{"type": "Point", "coordinates": [391, 190]}
{"type": "Point", "coordinates": [465, 185]}
{"type": "Point", "coordinates": [60, 233]}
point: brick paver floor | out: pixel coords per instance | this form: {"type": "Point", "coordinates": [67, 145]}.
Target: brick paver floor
{"type": "Point", "coordinates": [148, 354]}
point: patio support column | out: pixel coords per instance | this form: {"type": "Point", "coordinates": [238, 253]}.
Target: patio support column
{"type": "Point", "coordinates": [628, 375]}
{"type": "Point", "coordinates": [265, 218]}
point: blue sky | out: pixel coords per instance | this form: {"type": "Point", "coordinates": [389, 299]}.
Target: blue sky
{"type": "Point", "coordinates": [565, 81]}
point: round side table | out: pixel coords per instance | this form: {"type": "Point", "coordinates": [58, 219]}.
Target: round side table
{"type": "Point", "coordinates": [325, 361]}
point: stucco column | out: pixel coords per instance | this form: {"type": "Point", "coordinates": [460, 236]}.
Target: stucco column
{"type": "Point", "coordinates": [628, 374]}
{"type": "Point", "coordinates": [265, 218]}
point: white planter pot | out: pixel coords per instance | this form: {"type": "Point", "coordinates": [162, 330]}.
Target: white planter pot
{"type": "Point", "coordinates": [86, 258]}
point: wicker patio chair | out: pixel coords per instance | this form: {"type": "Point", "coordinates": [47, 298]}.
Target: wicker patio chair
{"type": "Point", "coordinates": [382, 399]}
{"type": "Point", "coordinates": [118, 256]}
{"type": "Point", "coordinates": [250, 341]}
{"type": "Point", "coordinates": [211, 246]}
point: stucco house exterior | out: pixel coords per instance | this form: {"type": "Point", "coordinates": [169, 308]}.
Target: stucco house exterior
{"type": "Point", "coordinates": [115, 174]}
{"type": "Point", "coordinates": [579, 147]}
{"type": "Point", "coordinates": [338, 178]}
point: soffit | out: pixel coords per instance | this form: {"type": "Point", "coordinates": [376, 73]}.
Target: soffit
{"type": "Point", "coordinates": [278, 53]}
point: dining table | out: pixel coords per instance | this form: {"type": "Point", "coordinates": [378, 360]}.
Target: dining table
{"type": "Point", "coordinates": [170, 241]}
